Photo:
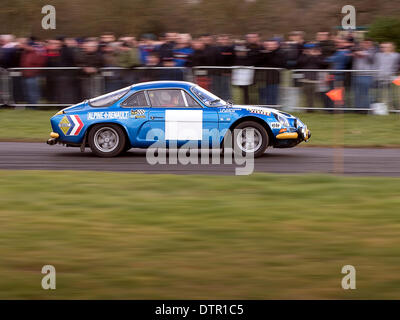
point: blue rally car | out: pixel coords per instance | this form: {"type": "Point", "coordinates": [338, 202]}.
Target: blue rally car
{"type": "Point", "coordinates": [181, 111]}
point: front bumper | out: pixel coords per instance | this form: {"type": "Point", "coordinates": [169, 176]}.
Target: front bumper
{"type": "Point", "coordinates": [303, 134]}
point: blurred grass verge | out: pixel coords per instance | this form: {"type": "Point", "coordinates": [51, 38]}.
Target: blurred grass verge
{"type": "Point", "coordinates": [358, 130]}
{"type": "Point", "coordinates": [137, 236]}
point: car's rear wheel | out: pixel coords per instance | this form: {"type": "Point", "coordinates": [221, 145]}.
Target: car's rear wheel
{"type": "Point", "coordinates": [250, 138]}
{"type": "Point", "coordinates": [107, 140]}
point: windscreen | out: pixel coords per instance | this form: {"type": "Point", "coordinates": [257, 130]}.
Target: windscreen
{"type": "Point", "coordinates": [207, 97]}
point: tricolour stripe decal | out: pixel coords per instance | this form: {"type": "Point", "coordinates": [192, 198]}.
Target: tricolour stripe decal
{"type": "Point", "coordinates": [78, 125]}
{"type": "Point", "coordinates": [71, 126]}
{"type": "Point", "coordinates": [75, 125]}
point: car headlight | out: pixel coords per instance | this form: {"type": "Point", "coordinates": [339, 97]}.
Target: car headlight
{"type": "Point", "coordinates": [282, 120]}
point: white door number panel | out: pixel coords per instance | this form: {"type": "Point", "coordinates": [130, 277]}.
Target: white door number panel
{"type": "Point", "coordinates": [183, 124]}
{"type": "Point", "coordinates": [276, 125]}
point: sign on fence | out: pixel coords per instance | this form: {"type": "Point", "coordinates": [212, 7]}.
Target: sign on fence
{"type": "Point", "coordinates": [242, 76]}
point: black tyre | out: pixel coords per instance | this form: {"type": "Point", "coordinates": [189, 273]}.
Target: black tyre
{"type": "Point", "coordinates": [107, 140]}
{"type": "Point", "coordinates": [127, 148]}
{"type": "Point", "coordinates": [250, 138]}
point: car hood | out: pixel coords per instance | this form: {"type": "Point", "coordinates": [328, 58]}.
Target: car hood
{"type": "Point", "coordinates": [76, 107]}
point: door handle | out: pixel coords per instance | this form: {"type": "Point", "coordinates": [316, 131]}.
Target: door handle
{"type": "Point", "coordinates": [152, 117]}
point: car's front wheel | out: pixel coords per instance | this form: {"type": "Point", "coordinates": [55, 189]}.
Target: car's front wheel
{"type": "Point", "coordinates": [250, 138]}
{"type": "Point", "coordinates": [107, 140]}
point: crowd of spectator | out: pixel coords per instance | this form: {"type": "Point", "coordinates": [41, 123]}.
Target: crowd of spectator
{"type": "Point", "coordinates": [325, 51]}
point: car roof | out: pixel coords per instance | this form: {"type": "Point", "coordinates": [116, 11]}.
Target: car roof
{"type": "Point", "coordinates": [163, 84]}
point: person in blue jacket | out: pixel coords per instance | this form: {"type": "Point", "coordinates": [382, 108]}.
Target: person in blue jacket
{"type": "Point", "coordinates": [182, 50]}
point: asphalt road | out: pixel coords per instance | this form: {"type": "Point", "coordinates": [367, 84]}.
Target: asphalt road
{"type": "Point", "coordinates": [39, 156]}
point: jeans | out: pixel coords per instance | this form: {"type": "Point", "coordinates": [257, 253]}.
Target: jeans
{"type": "Point", "coordinates": [32, 90]}
{"type": "Point", "coordinates": [309, 90]}
{"type": "Point", "coordinates": [269, 95]}
{"type": "Point", "coordinates": [221, 85]}
{"type": "Point", "coordinates": [362, 84]}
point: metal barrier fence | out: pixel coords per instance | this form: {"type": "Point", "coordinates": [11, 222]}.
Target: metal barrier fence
{"type": "Point", "coordinates": [4, 90]}
{"type": "Point", "coordinates": [299, 89]}
{"type": "Point", "coordinates": [115, 78]}
{"type": "Point", "coordinates": [51, 87]}
{"type": "Point", "coordinates": [248, 85]}
{"type": "Point", "coordinates": [361, 90]}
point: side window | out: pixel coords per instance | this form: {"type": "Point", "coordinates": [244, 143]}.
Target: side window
{"type": "Point", "coordinates": [136, 100]}
{"type": "Point", "coordinates": [191, 102]}
{"type": "Point", "coordinates": [168, 98]}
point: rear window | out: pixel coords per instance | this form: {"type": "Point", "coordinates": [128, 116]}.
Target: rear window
{"type": "Point", "coordinates": [108, 99]}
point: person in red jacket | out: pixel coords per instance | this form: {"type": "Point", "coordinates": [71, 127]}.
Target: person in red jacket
{"type": "Point", "coordinates": [32, 56]}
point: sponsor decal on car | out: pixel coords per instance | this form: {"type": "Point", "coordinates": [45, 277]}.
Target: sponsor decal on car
{"type": "Point", "coordinates": [229, 110]}
{"type": "Point", "coordinates": [259, 111]}
{"type": "Point", "coordinates": [105, 115]}
{"type": "Point", "coordinates": [71, 125]}
{"type": "Point", "coordinates": [138, 113]}
{"type": "Point", "coordinates": [275, 125]}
